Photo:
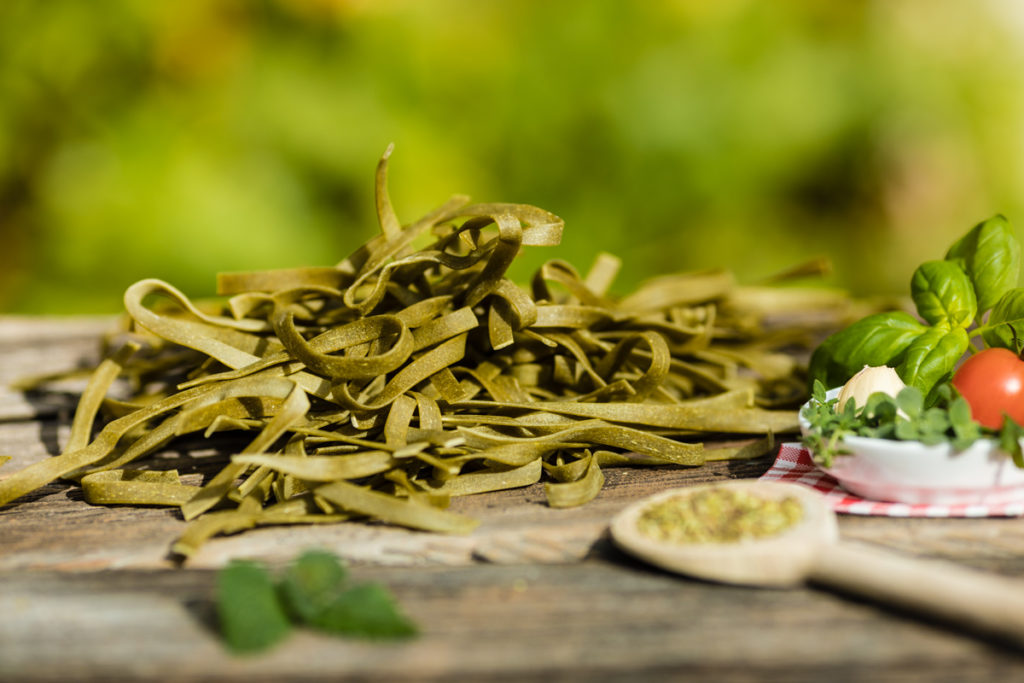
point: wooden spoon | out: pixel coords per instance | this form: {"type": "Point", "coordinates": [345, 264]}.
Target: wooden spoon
{"type": "Point", "coordinates": [810, 551]}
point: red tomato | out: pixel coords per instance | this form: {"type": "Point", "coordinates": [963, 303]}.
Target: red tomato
{"type": "Point", "coordinates": [992, 381]}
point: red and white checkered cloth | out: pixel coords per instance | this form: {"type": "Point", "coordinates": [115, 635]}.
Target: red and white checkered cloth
{"type": "Point", "coordinates": [794, 464]}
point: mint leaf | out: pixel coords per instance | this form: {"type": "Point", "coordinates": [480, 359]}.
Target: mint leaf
{"type": "Point", "coordinates": [251, 616]}
{"type": "Point", "coordinates": [880, 408]}
{"type": "Point", "coordinates": [316, 593]}
{"type": "Point", "coordinates": [911, 402]}
{"type": "Point", "coordinates": [935, 421]}
{"type": "Point", "coordinates": [818, 392]}
{"type": "Point", "coordinates": [1009, 441]}
{"type": "Point", "coordinates": [964, 427]}
{"type": "Point", "coordinates": [311, 583]}
{"type": "Point", "coordinates": [366, 610]}
{"type": "Point", "coordinates": [907, 431]}
{"type": "Point", "coordinates": [941, 394]}
{"type": "Point", "coordinates": [254, 610]}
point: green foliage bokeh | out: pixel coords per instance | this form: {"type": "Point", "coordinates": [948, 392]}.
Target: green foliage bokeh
{"type": "Point", "coordinates": [175, 140]}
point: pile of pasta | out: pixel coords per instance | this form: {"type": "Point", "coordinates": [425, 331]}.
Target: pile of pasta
{"type": "Point", "coordinates": [415, 370]}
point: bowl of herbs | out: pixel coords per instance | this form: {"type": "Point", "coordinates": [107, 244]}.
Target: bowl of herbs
{"type": "Point", "coordinates": [903, 449]}
{"type": "Point", "coordinates": [952, 434]}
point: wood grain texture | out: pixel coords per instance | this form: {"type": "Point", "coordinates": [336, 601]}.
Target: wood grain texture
{"type": "Point", "coordinates": [603, 619]}
{"type": "Point", "coordinates": [535, 593]}
{"type": "Point", "coordinates": [54, 528]}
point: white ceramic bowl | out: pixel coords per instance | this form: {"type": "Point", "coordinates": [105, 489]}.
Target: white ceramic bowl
{"type": "Point", "coordinates": [913, 473]}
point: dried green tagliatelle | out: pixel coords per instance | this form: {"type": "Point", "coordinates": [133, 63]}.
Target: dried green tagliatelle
{"type": "Point", "coordinates": [415, 371]}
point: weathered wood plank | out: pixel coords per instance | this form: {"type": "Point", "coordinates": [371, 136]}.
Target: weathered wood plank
{"type": "Point", "coordinates": [516, 526]}
{"type": "Point", "coordinates": [535, 593]}
{"type": "Point", "coordinates": [55, 528]}
{"type": "Point", "coordinates": [603, 619]}
{"type": "Point", "coordinates": [36, 346]}
{"type": "Point", "coordinates": [19, 331]}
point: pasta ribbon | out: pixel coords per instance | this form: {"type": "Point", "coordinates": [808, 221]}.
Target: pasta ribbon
{"type": "Point", "coordinates": [415, 371]}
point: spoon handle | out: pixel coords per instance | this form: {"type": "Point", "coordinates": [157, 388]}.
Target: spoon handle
{"type": "Point", "coordinates": [963, 598]}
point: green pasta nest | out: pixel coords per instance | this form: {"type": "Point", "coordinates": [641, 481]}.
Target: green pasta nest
{"type": "Point", "coordinates": [381, 387]}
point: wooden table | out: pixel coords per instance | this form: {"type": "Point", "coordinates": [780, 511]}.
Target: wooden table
{"type": "Point", "coordinates": [89, 593]}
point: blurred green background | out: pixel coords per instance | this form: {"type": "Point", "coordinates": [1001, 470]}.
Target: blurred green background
{"type": "Point", "coordinates": [178, 139]}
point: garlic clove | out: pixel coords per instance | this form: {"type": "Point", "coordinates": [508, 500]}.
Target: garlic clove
{"type": "Point", "coordinates": [869, 380]}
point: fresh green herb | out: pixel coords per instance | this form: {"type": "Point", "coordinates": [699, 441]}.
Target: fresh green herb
{"type": "Point", "coordinates": [943, 293]}
{"type": "Point", "coordinates": [366, 611]}
{"type": "Point", "coordinates": [933, 356]}
{"type": "Point", "coordinates": [1009, 440]}
{"type": "Point", "coordinates": [252, 617]}
{"type": "Point", "coordinates": [256, 611]}
{"type": "Point", "coordinates": [977, 277]}
{"type": "Point", "coordinates": [828, 424]}
{"type": "Point", "coordinates": [311, 583]}
{"type": "Point", "coordinates": [991, 256]}
{"type": "Point", "coordinates": [1008, 312]}
{"type": "Point", "coordinates": [941, 417]}
{"type": "Point", "coordinates": [315, 590]}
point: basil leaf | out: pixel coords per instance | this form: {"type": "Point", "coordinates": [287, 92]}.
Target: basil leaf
{"type": "Point", "coordinates": [251, 616]}
{"type": "Point", "coordinates": [943, 292]}
{"type": "Point", "coordinates": [311, 583]}
{"type": "Point", "coordinates": [878, 339]}
{"type": "Point", "coordinates": [932, 356]}
{"type": "Point", "coordinates": [991, 255]}
{"type": "Point", "coordinates": [366, 610]}
{"type": "Point", "coordinates": [1009, 310]}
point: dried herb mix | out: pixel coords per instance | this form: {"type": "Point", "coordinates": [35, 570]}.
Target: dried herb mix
{"type": "Point", "coordinates": [414, 371]}
{"type": "Point", "coordinates": [718, 516]}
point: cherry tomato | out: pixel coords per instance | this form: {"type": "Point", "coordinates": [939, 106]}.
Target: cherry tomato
{"type": "Point", "coordinates": [992, 381]}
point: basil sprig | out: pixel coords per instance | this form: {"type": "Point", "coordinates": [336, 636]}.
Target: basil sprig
{"type": "Point", "coordinates": [979, 275]}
